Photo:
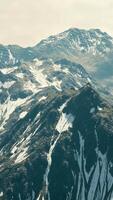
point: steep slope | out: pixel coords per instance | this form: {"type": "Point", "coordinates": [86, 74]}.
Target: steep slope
{"type": "Point", "coordinates": [61, 150]}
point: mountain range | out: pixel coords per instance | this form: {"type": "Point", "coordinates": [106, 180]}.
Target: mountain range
{"type": "Point", "coordinates": [56, 118]}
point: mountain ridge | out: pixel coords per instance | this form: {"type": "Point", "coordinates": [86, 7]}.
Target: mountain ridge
{"type": "Point", "coordinates": [33, 50]}
{"type": "Point", "coordinates": [57, 136]}
{"type": "Point", "coordinates": [92, 49]}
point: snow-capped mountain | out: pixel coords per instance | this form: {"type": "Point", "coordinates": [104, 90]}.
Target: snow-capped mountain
{"type": "Point", "coordinates": [74, 42]}
{"type": "Point", "coordinates": [69, 44]}
{"type": "Point", "coordinates": [56, 128]}
{"type": "Point", "coordinates": [91, 48]}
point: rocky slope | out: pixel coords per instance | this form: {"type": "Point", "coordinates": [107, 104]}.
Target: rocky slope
{"type": "Point", "coordinates": [62, 149]}
{"type": "Point", "coordinates": [20, 86]}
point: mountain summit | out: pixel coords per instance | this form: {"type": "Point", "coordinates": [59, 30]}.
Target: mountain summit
{"type": "Point", "coordinates": [92, 41]}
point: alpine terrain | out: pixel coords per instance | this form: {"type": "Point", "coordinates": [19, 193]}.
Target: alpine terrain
{"type": "Point", "coordinates": [56, 118]}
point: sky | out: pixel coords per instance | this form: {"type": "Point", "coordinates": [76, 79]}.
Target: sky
{"type": "Point", "coordinates": [26, 22]}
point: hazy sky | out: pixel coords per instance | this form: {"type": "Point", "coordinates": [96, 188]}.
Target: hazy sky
{"type": "Point", "coordinates": [26, 22]}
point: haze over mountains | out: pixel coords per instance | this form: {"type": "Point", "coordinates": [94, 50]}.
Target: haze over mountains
{"type": "Point", "coordinates": [56, 118]}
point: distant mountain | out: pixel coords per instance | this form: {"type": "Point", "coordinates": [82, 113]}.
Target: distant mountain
{"type": "Point", "coordinates": [91, 48]}
{"type": "Point", "coordinates": [72, 43]}
{"type": "Point", "coordinates": [76, 42]}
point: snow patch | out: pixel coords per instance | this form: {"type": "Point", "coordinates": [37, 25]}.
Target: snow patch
{"type": "Point", "coordinates": [19, 196]}
{"type": "Point", "coordinates": [42, 98]}
{"type": "Point", "coordinates": [39, 76]}
{"type": "Point", "coordinates": [38, 62]}
{"type": "Point", "coordinates": [30, 86]}
{"type": "Point", "coordinates": [64, 123]}
{"type": "Point", "coordinates": [57, 67]}
{"type": "Point", "coordinates": [8, 70]}
{"type": "Point", "coordinates": [20, 75]}
{"type": "Point", "coordinates": [22, 156]}
{"type": "Point", "coordinates": [63, 106]}
{"type": "Point", "coordinates": [14, 149]}
{"type": "Point", "coordinates": [99, 108]}
{"type": "Point", "coordinates": [92, 110]}
{"type": "Point", "coordinates": [1, 194]}
{"type": "Point", "coordinates": [23, 114]}
{"type": "Point", "coordinates": [7, 84]}
{"type": "Point", "coordinates": [57, 84]}
{"type": "Point", "coordinates": [11, 58]}
{"type": "Point", "coordinates": [79, 83]}
{"type": "Point", "coordinates": [89, 80]}
{"type": "Point", "coordinates": [8, 108]}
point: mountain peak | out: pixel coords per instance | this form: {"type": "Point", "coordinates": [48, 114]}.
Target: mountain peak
{"type": "Point", "coordinates": [98, 32]}
{"type": "Point", "coordinates": [78, 41]}
{"type": "Point", "coordinates": [86, 99]}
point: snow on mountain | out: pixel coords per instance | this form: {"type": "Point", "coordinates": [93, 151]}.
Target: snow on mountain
{"type": "Point", "coordinates": [55, 129]}
{"type": "Point", "coordinates": [59, 149]}
{"type": "Point", "coordinates": [91, 48]}
{"type": "Point", "coordinates": [19, 84]}
{"type": "Point", "coordinates": [76, 44]}
{"type": "Point", "coordinates": [85, 41]}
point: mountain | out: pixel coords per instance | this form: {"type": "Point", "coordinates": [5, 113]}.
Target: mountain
{"type": "Point", "coordinates": [21, 84]}
{"type": "Point", "coordinates": [62, 149]}
{"type": "Point", "coordinates": [56, 118]}
{"type": "Point", "coordinates": [72, 44]}
{"type": "Point", "coordinates": [12, 55]}
{"type": "Point", "coordinates": [76, 42]}
{"type": "Point", "coordinates": [91, 48]}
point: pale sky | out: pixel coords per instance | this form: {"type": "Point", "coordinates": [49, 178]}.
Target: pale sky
{"type": "Point", "coordinates": [26, 22]}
